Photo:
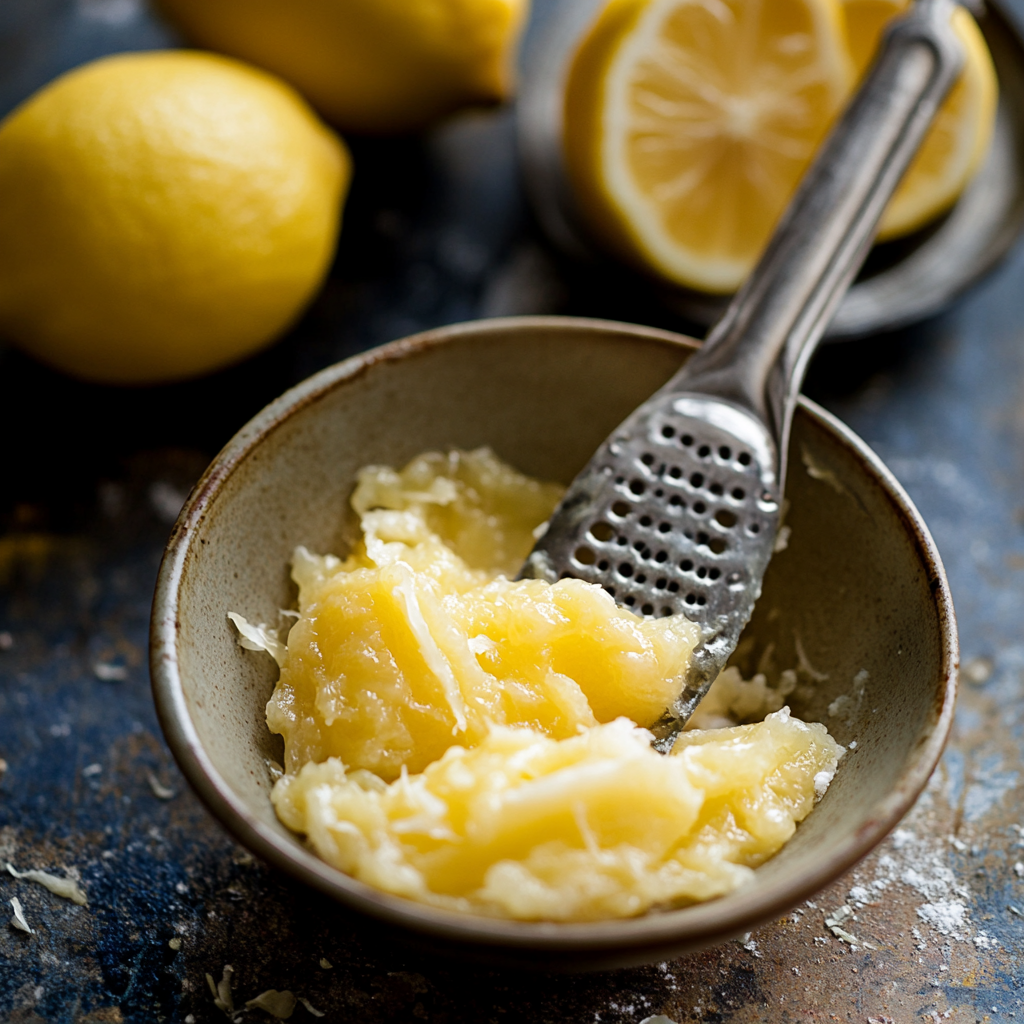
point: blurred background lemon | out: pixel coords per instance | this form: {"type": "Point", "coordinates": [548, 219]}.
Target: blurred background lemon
{"type": "Point", "coordinates": [162, 215]}
{"type": "Point", "coordinates": [375, 66]}
{"type": "Point", "coordinates": [689, 124]}
{"type": "Point", "coordinates": [165, 214]}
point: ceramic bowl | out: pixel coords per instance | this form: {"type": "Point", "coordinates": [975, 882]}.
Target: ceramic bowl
{"type": "Point", "coordinates": [858, 598]}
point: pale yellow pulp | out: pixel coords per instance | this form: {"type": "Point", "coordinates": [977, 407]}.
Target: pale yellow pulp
{"type": "Point", "coordinates": [689, 124]}
{"type": "Point", "coordinates": [596, 826]}
{"type": "Point", "coordinates": [471, 742]}
{"type": "Point", "coordinates": [420, 640]}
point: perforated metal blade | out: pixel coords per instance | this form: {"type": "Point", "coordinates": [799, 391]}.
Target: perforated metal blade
{"type": "Point", "coordinates": [678, 511]}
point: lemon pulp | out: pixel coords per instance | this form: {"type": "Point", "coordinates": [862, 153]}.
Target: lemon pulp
{"type": "Point", "coordinates": [689, 123]}
{"type": "Point", "coordinates": [419, 640]}
{"type": "Point", "coordinates": [472, 742]}
{"type": "Point", "coordinates": [596, 826]}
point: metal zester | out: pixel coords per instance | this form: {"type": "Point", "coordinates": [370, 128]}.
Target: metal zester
{"type": "Point", "coordinates": [678, 511]}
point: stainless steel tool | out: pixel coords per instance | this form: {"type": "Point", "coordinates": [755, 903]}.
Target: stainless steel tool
{"type": "Point", "coordinates": [679, 509]}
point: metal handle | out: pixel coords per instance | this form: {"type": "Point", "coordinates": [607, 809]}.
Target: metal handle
{"type": "Point", "coordinates": [758, 352]}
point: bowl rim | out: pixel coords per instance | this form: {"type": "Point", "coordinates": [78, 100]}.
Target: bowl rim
{"type": "Point", "coordinates": [641, 938]}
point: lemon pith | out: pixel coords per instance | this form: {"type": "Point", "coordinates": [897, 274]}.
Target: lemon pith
{"type": "Point", "coordinates": [369, 65]}
{"type": "Point", "coordinates": [162, 214]}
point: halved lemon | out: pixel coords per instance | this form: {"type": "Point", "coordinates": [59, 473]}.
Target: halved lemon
{"type": "Point", "coordinates": [958, 141]}
{"type": "Point", "coordinates": [689, 123]}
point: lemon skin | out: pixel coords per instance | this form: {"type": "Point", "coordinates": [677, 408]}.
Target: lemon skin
{"type": "Point", "coordinates": [162, 215]}
{"type": "Point", "coordinates": [371, 66]}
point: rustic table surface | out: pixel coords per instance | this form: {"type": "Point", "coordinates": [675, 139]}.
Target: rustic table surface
{"type": "Point", "coordinates": [92, 478]}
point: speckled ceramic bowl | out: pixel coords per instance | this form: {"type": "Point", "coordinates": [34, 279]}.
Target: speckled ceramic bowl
{"type": "Point", "coordinates": [858, 599]}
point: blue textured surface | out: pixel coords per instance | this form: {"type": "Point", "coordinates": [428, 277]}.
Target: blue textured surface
{"type": "Point", "coordinates": [436, 232]}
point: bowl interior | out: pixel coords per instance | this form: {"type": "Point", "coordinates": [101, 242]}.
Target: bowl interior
{"type": "Point", "coordinates": [857, 601]}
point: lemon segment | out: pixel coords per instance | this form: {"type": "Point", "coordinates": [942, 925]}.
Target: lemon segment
{"type": "Point", "coordinates": [960, 135]}
{"type": "Point", "coordinates": [375, 66]}
{"type": "Point", "coordinates": [162, 215]}
{"type": "Point", "coordinates": [689, 123]}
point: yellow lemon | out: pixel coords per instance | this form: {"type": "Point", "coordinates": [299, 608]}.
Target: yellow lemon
{"type": "Point", "coordinates": [689, 123]}
{"type": "Point", "coordinates": [161, 215]}
{"type": "Point", "coordinates": [369, 65]}
{"type": "Point", "coordinates": [959, 138]}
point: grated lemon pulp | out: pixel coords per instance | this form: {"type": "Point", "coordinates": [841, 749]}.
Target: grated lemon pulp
{"type": "Point", "coordinates": [419, 639]}
{"type": "Point", "coordinates": [476, 743]}
{"type": "Point", "coordinates": [596, 826]}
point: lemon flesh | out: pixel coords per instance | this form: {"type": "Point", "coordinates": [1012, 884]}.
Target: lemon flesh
{"type": "Point", "coordinates": [960, 135]}
{"type": "Point", "coordinates": [162, 215]}
{"type": "Point", "coordinates": [373, 66]}
{"type": "Point", "coordinates": [472, 743]}
{"type": "Point", "coordinates": [596, 826]}
{"type": "Point", "coordinates": [689, 124]}
{"type": "Point", "coordinates": [420, 640]}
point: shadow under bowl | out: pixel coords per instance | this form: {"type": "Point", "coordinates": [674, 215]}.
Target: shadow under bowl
{"type": "Point", "coordinates": [858, 599]}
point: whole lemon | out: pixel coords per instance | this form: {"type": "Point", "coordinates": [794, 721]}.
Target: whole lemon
{"type": "Point", "coordinates": [369, 65]}
{"type": "Point", "coordinates": [162, 214]}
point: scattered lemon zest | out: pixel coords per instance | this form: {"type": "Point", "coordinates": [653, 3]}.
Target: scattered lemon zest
{"type": "Point", "coordinates": [260, 637]}
{"type": "Point", "coordinates": [277, 1004]}
{"type": "Point", "coordinates": [66, 888]}
{"type": "Point", "coordinates": [19, 920]}
{"type": "Point", "coordinates": [221, 991]}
